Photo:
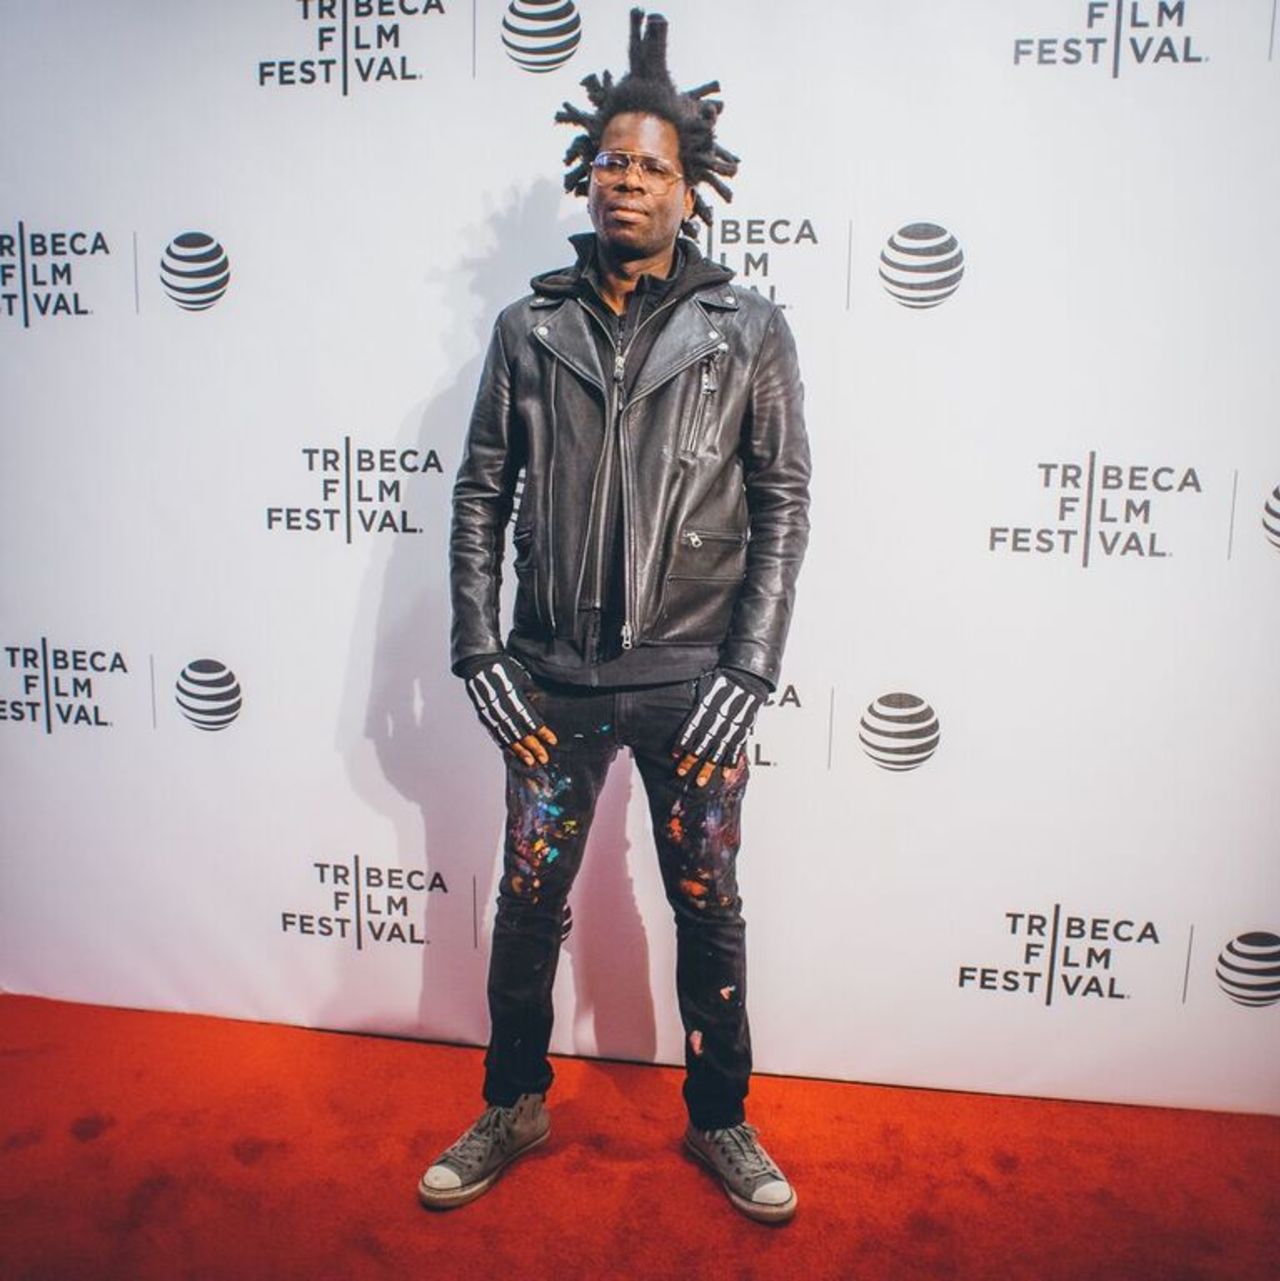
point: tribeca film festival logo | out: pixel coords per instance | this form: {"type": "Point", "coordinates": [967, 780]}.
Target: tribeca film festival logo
{"type": "Point", "coordinates": [1057, 954]}
{"type": "Point", "coordinates": [52, 687]}
{"type": "Point", "coordinates": [1099, 508]}
{"type": "Point", "coordinates": [541, 35]}
{"type": "Point", "coordinates": [921, 265]}
{"type": "Point", "coordinates": [208, 694]}
{"type": "Point", "coordinates": [1134, 33]}
{"type": "Point", "coordinates": [350, 44]}
{"type": "Point", "coordinates": [364, 903]}
{"type": "Point", "coordinates": [753, 248]}
{"type": "Point", "coordinates": [195, 270]}
{"type": "Point", "coordinates": [40, 272]}
{"type": "Point", "coordinates": [899, 731]}
{"type": "Point", "coordinates": [358, 491]}
{"type": "Point", "coordinates": [1248, 969]}
{"type": "Point", "coordinates": [786, 696]}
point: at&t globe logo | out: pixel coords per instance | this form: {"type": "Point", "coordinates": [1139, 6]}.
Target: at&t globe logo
{"type": "Point", "coordinates": [921, 265]}
{"type": "Point", "coordinates": [209, 694]}
{"type": "Point", "coordinates": [1249, 968]}
{"type": "Point", "coordinates": [899, 731]}
{"type": "Point", "coordinates": [195, 271]}
{"type": "Point", "coordinates": [541, 35]}
{"type": "Point", "coordinates": [1271, 518]}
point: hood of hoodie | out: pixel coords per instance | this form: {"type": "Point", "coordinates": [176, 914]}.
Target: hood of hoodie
{"type": "Point", "coordinates": [696, 272]}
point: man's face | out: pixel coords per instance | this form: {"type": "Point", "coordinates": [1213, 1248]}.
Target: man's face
{"type": "Point", "coordinates": [635, 222]}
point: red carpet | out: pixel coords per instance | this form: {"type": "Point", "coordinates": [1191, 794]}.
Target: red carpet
{"type": "Point", "coordinates": [140, 1145]}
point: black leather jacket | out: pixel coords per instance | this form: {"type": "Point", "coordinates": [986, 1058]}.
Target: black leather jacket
{"type": "Point", "coordinates": [714, 465]}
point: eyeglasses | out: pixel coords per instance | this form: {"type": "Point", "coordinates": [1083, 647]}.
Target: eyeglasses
{"type": "Point", "coordinates": [656, 175]}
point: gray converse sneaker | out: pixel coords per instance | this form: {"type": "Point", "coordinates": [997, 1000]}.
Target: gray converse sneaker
{"type": "Point", "coordinates": [471, 1166]}
{"type": "Point", "coordinates": [749, 1176]}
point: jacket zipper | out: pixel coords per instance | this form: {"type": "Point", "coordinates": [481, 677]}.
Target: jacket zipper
{"type": "Point", "coordinates": [551, 547]}
{"type": "Point", "coordinates": [710, 385]}
{"type": "Point", "coordinates": [696, 537]}
{"type": "Point", "coordinates": [606, 489]}
{"type": "Point", "coordinates": [617, 409]}
{"type": "Point", "coordinates": [619, 374]}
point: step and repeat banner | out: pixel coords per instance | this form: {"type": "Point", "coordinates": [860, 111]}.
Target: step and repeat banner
{"type": "Point", "coordinates": [1014, 812]}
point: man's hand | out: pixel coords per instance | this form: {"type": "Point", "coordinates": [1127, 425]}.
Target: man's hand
{"type": "Point", "coordinates": [498, 687]}
{"type": "Point", "coordinates": [718, 727]}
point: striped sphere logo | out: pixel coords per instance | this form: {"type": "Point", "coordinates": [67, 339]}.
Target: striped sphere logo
{"type": "Point", "coordinates": [541, 35]}
{"type": "Point", "coordinates": [899, 731]}
{"type": "Point", "coordinates": [921, 265]}
{"type": "Point", "coordinates": [209, 694]}
{"type": "Point", "coordinates": [1271, 517]}
{"type": "Point", "coordinates": [1249, 969]}
{"type": "Point", "coordinates": [195, 271]}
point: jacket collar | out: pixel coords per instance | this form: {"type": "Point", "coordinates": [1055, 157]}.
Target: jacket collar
{"type": "Point", "coordinates": [691, 332]}
{"type": "Point", "coordinates": [565, 332]}
{"type": "Point", "coordinates": [694, 271]}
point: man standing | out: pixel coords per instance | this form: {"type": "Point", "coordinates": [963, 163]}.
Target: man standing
{"type": "Point", "coordinates": [654, 411]}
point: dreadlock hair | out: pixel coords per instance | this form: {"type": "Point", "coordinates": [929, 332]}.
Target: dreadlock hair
{"type": "Point", "coordinates": [647, 87]}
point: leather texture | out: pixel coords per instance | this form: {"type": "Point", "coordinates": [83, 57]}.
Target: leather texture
{"type": "Point", "coordinates": [714, 466]}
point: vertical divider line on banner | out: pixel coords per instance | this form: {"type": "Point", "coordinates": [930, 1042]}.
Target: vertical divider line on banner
{"type": "Point", "coordinates": [848, 268]}
{"type": "Point", "coordinates": [346, 485]}
{"type": "Point", "coordinates": [44, 678]}
{"type": "Point", "coordinates": [346, 62]}
{"type": "Point", "coordinates": [1053, 955]}
{"type": "Point", "coordinates": [1088, 511]}
{"type": "Point", "coordinates": [22, 272]}
{"type": "Point", "coordinates": [1186, 974]}
{"type": "Point", "coordinates": [355, 888]}
{"type": "Point", "coordinates": [1231, 523]}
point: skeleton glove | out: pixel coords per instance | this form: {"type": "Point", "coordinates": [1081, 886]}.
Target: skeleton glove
{"type": "Point", "coordinates": [497, 687]}
{"type": "Point", "coordinates": [718, 727]}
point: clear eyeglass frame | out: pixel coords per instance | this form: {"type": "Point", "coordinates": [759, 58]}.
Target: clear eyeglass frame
{"type": "Point", "coordinates": [656, 174]}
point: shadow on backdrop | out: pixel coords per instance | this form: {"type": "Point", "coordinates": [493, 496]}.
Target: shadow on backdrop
{"type": "Point", "coordinates": [430, 747]}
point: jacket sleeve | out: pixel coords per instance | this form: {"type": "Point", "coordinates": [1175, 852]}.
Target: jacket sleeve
{"type": "Point", "coordinates": [775, 463]}
{"type": "Point", "coordinates": [482, 500]}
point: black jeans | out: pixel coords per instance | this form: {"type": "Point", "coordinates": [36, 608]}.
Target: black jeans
{"type": "Point", "coordinates": [696, 830]}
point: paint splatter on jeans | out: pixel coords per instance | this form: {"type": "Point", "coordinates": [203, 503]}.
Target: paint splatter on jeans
{"type": "Point", "coordinates": [696, 832]}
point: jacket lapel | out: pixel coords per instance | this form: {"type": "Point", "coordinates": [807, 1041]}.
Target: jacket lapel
{"type": "Point", "coordinates": [687, 337]}
{"type": "Point", "coordinates": [564, 332]}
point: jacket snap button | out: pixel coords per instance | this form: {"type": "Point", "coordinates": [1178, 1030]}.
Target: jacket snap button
{"type": "Point", "coordinates": [542, 329]}
{"type": "Point", "coordinates": [711, 333]}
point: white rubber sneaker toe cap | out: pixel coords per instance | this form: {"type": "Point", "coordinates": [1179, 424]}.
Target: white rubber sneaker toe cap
{"type": "Point", "coordinates": [777, 1192]}
{"type": "Point", "coordinates": [441, 1179]}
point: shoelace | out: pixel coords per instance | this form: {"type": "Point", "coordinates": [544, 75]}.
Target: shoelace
{"type": "Point", "coordinates": [473, 1145]}
{"type": "Point", "coordinates": [740, 1147]}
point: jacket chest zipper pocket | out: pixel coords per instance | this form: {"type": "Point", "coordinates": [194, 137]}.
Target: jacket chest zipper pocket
{"type": "Point", "coordinates": [693, 438]}
{"type": "Point", "coordinates": [696, 537]}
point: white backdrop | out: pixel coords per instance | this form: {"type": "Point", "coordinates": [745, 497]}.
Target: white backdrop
{"type": "Point", "coordinates": [1040, 514]}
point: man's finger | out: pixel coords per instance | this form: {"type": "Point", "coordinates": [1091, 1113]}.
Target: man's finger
{"type": "Point", "coordinates": [522, 752]}
{"type": "Point", "coordinates": [534, 744]}
{"type": "Point", "coordinates": [547, 734]}
{"type": "Point", "coordinates": [705, 773]}
{"type": "Point", "coordinates": [686, 764]}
